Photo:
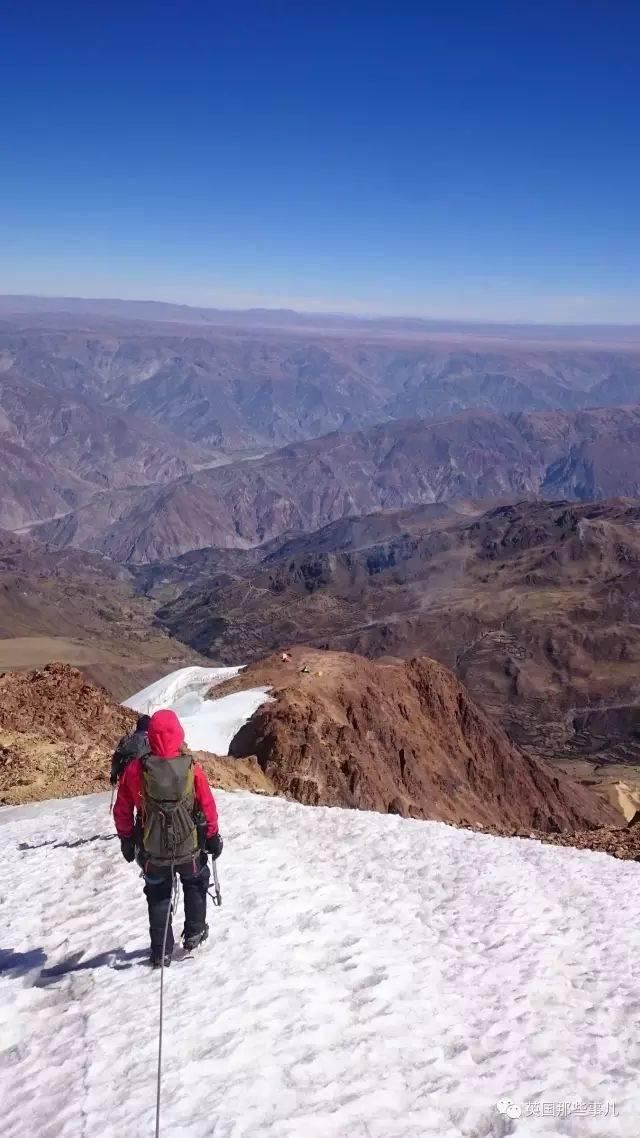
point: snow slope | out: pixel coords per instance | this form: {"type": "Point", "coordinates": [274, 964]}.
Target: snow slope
{"type": "Point", "coordinates": [209, 725]}
{"type": "Point", "coordinates": [367, 977]}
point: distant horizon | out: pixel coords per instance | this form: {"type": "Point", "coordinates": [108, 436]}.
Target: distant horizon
{"type": "Point", "coordinates": [39, 300]}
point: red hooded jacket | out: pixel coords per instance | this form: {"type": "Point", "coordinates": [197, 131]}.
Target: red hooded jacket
{"type": "Point", "coordinates": [166, 739]}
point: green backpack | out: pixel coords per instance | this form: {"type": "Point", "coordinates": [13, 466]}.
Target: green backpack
{"type": "Point", "coordinates": [170, 832]}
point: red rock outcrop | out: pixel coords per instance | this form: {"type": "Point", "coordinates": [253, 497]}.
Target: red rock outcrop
{"type": "Point", "coordinates": [60, 703]}
{"type": "Point", "coordinates": [399, 737]}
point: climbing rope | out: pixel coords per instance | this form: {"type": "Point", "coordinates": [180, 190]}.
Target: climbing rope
{"type": "Point", "coordinates": [172, 906]}
{"type": "Point", "coordinates": [171, 909]}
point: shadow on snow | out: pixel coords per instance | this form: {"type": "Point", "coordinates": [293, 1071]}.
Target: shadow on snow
{"type": "Point", "coordinates": [19, 964]}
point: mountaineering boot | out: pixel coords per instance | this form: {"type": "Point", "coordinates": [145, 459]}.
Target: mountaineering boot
{"type": "Point", "coordinates": [191, 942]}
{"type": "Point", "coordinates": [156, 961]}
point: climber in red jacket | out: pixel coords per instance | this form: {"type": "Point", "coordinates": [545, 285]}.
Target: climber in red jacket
{"type": "Point", "coordinates": [165, 815]}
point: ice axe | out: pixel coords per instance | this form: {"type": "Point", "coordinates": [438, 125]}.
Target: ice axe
{"type": "Point", "coordinates": [217, 899]}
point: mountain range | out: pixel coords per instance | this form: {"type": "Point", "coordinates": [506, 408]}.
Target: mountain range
{"type": "Point", "coordinates": [235, 387]}
{"type": "Point", "coordinates": [54, 311]}
{"type": "Point", "coordinates": [477, 456]}
{"type": "Point", "coordinates": [100, 411]}
{"type": "Point", "coordinates": [181, 483]}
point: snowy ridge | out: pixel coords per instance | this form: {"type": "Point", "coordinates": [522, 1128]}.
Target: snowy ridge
{"type": "Point", "coordinates": [367, 977]}
{"type": "Point", "coordinates": [209, 725]}
{"type": "Point", "coordinates": [177, 686]}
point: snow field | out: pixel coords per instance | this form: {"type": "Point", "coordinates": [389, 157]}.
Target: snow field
{"type": "Point", "coordinates": [367, 977]}
{"type": "Point", "coordinates": [209, 725]}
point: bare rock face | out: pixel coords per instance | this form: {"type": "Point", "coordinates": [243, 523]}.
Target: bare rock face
{"type": "Point", "coordinates": [61, 704]}
{"type": "Point", "coordinates": [57, 734]}
{"type": "Point", "coordinates": [401, 737]}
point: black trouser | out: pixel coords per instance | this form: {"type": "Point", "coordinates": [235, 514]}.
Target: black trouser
{"type": "Point", "coordinates": [194, 876]}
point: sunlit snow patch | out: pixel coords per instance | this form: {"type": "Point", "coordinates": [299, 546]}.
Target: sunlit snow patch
{"type": "Point", "coordinates": [366, 975]}
{"type": "Point", "coordinates": [209, 725]}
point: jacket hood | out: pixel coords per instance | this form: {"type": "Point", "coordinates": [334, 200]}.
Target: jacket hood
{"type": "Point", "coordinates": [165, 734]}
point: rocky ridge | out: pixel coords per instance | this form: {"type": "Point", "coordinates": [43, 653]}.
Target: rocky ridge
{"type": "Point", "coordinates": [57, 734]}
{"type": "Point", "coordinates": [401, 738]}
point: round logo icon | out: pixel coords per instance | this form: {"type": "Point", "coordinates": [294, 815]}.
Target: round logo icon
{"type": "Point", "coordinates": [511, 1109]}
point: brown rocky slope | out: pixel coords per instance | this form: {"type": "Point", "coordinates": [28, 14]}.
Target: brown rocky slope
{"type": "Point", "coordinates": [59, 702]}
{"type": "Point", "coordinates": [401, 737]}
{"type": "Point", "coordinates": [620, 842]}
{"type": "Point", "coordinates": [57, 733]}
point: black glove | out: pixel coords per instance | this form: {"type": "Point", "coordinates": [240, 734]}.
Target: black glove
{"type": "Point", "coordinates": [214, 846]}
{"type": "Point", "coordinates": [128, 847]}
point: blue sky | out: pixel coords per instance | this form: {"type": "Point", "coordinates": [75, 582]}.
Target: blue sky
{"type": "Point", "coordinates": [475, 159]}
